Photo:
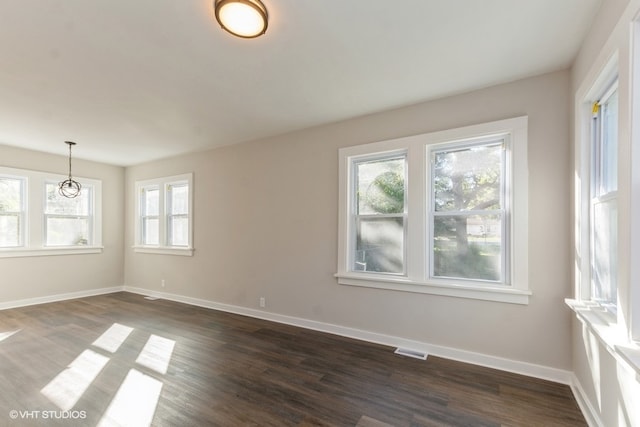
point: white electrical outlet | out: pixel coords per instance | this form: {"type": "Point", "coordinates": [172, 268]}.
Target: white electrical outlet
{"type": "Point", "coordinates": [162, 283]}
{"type": "Point", "coordinates": [263, 302]}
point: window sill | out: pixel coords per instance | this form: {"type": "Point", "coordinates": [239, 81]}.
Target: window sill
{"type": "Point", "coordinates": [62, 250]}
{"type": "Point", "coordinates": [480, 292]}
{"type": "Point", "coordinates": [612, 336]}
{"type": "Point", "coordinates": [163, 250]}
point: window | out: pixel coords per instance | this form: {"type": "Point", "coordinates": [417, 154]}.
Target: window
{"type": "Point", "coordinates": [604, 200]}
{"type": "Point", "coordinates": [11, 211]}
{"type": "Point", "coordinates": [149, 215]}
{"type": "Point", "coordinates": [35, 220]}
{"type": "Point", "coordinates": [68, 221]}
{"type": "Point", "coordinates": [164, 215]}
{"type": "Point", "coordinates": [467, 218]}
{"type": "Point", "coordinates": [379, 214]}
{"type": "Point", "coordinates": [442, 213]}
{"type": "Point", "coordinates": [178, 214]}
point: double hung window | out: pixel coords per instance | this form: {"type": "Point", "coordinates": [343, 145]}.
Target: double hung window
{"type": "Point", "coordinates": [604, 199]}
{"type": "Point", "coordinates": [442, 213]}
{"type": "Point", "coordinates": [379, 214]}
{"type": "Point", "coordinates": [36, 220]}
{"type": "Point", "coordinates": [12, 211]}
{"type": "Point", "coordinates": [68, 221]}
{"type": "Point", "coordinates": [164, 215]}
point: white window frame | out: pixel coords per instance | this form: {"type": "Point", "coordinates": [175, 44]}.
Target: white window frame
{"type": "Point", "coordinates": [21, 214]}
{"type": "Point", "coordinates": [634, 226]}
{"type": "Point", "coordinates": [34, 238]}
{"type": "Point", "coordinates": [598, 194]}
{"type": "Point", "coordinates": [515, 288]}
{"type": "Point", "coordinates": [86, 187]}
{"type": "Point", "coordinates": [354, 216]}
{"type": "Point", "coordinates": [164, 246]}
{"type": "Point", "coordinates": [143, 215]}
{"type": "Point", "coordinates": [503, 212]}
{"type": "Point", "coordinates": [170, 215]}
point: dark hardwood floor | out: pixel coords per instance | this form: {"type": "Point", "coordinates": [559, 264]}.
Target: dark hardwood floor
{"type": "Point", "coordinates": [120, 359]}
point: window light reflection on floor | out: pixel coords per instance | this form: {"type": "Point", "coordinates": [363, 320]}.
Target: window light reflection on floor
{"type": "Point", "coordinates": [135, 402]}
{"type": "Point", "coordinates": [156, 354]}
{"type": "Point", "coordinates": [112, 338]}
{"type": "Point", "coordinates": [5, 335]}
{"type": "Point", "coordinates": [69, 385]}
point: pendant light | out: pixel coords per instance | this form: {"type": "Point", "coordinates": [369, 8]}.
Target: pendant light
{"type": "Point", "coordinates": [69, 188]}
{"type": "Point", "coordinates": [243, 18]}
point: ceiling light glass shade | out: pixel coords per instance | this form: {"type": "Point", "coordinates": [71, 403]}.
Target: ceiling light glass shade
{"type": "Point", "coordinates": [242, 18]}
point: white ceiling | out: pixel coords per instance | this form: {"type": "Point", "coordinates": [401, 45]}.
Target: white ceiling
{"type": "Point", "coordinates": [132, 81]}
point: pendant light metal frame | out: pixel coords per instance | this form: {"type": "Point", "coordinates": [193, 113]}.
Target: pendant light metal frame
{"type": "Point", "coordinates": [254, 4]}
{"type": "Point", "coordinates": [69, 188]}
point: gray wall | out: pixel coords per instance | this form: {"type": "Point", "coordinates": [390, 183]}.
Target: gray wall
{"type": "Point", "coordinates": [44, 276]}
{"type": "Point", "coordinates": [266, 225]}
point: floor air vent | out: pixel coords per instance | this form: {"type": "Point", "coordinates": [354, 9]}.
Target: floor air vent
{"type": "Point", "coordinates": [411, 353]}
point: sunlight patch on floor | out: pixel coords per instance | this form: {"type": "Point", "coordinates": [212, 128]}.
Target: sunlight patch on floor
{"type": "Point", "coordinates": [112, 338]}
{"type": "Point", "coordinates": [135, 402]}
{"type": "Point", "coordinates": [156, 354]}
{"type": "Point", "coordinates": [69, 385]}
{"type": "Point", "coordinates": [5, 335]}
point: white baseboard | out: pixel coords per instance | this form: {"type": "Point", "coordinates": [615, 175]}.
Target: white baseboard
{"type": "Point", "coordinates": [585, 405]}
{"type": "Point", "coordinates": [59, 297]}
{"type": "Point", "coordinates": [523, 368]}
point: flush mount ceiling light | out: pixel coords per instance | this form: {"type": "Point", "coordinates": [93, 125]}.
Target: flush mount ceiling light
{"type": "Point", "coordinates": [242, 18]}
{"type": "Point", "coordinates": [69, 188]}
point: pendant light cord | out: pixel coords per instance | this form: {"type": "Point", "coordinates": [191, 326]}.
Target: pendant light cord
{"type": "Point", "coordinates": [70, 161]}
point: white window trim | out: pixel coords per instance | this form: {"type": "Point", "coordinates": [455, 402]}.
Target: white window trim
{"type": "Point", "coordinates": [417, 275]}
{"type": "Point", "coordinates": [22, 214]}
{"type": "Point", "coordinates": [34, 239]}
{"type": "Point", "coordinates": [634, 227]}
{"type": "Point", "coordinates": [621, 339]}
{"type": "Point", "coordinates": [162, 248]}
{"type": "Point", "coordinates": [584, 186]}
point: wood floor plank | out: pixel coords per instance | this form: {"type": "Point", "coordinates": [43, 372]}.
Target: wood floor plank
{"type": "Point", "coordinates": [230, 370]}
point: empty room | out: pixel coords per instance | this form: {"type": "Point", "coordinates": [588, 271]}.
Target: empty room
{"type": "Point", "coordinates": [334, 213]}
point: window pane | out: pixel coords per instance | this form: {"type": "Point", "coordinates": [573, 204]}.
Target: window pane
{"type": "Point", "coordinates": [10, 195]}
{"type": "Point", "coordinates": [60, 205]}
{"type": "Point", "coordinates": [379, 245]}
{"type": "Point", "coordinates": [468, 247]}
{"type": "Point", "coordinates": [178, 231]}
{"type": "Point", "coordinates": [179, 199]}
{"type": "Point", "coordinates": [9, 230]}
{"type": "Point", "coordinates": [605, 250]}
{"type": "Point", "coordinates": [468, 178]}
{"type": "Point", "coordinates": [150, 231]}
{"type": "Point", "coordinates": [67, 231]}
{"type": "Point", "coordinates": [150, 201]}
{"type": "Point", "coordinates": [380, 186]}
{"type": "Point", "coordinates": [10, 212]}
{"type": "Point", "coordinates": [609, 149]}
